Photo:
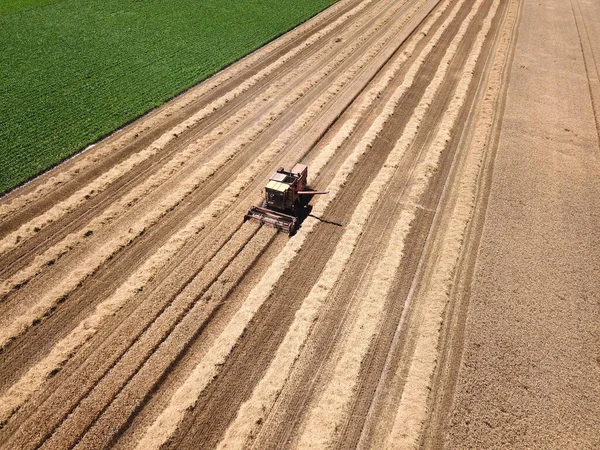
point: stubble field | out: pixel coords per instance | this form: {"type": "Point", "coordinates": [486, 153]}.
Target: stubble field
{"type": "Point", "coordinates": [138, 310]}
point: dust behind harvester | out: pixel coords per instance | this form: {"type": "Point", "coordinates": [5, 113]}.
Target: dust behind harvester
{"type": "Point", "coordinates": [285, 196]}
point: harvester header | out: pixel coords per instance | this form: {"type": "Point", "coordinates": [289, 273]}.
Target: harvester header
{"type": "Point", "coordinates": [286, 194]}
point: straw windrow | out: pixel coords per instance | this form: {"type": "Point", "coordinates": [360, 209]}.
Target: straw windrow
{"type": "Point", "coordinates": [412, 410]}
{"type": "Point", "coordinates": [255, 410]}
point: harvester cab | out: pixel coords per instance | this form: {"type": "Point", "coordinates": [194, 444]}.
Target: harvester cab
{"type": "Point", "coordinates": [284, 199]}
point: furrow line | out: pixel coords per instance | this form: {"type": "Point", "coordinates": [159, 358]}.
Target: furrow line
{"type": "Point", "coordinates": [412, 410]}
{"type": "Point", "coordinates": [196, 93]}
{"type": "Point", "coordinates": [328, 413]}
{"type": "Point", "coordinates": [197, 178]}
{"type": "Point", "coordinates": [241, 432]}
{"type": "Point", "coordinates": [186, 396]}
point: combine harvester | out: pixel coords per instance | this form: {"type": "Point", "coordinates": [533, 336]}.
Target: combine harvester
{"type": "Point", "coordinates": [285, 197]}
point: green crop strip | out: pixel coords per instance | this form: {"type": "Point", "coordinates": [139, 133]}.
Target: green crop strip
{"type": "Point", "coordinates": [72, 71]}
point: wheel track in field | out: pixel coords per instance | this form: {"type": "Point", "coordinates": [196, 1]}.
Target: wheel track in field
{"type": "Point", "coordinates": [393, 344]}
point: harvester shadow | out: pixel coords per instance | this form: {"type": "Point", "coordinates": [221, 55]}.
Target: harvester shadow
{"type": "Point", "coordinates": [337, 224]}
{"type": "Point", "coordinates": [305, 212]}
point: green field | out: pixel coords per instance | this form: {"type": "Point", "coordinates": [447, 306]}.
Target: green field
{"type": "Point", "coordinates": [72, 71]}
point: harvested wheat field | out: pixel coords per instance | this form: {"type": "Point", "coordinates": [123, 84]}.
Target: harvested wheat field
{"type": "Point", "coordinates": [443, 294]}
